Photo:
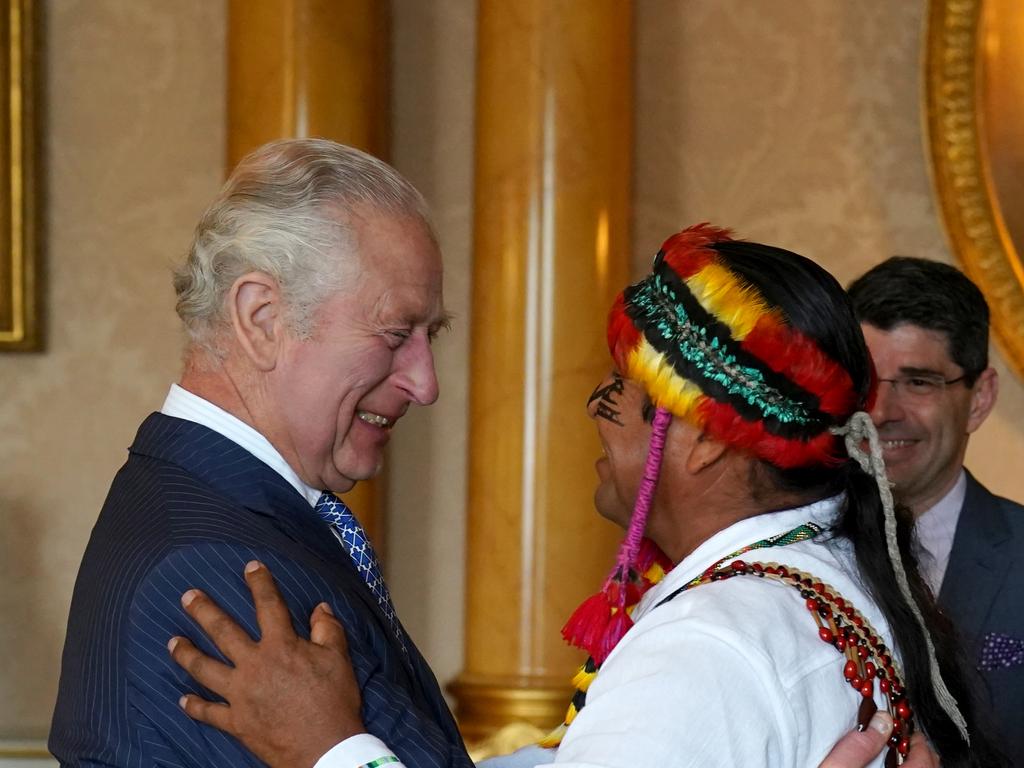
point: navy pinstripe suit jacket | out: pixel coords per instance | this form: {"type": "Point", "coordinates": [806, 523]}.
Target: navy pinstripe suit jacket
{"type": "Point", "coordinates": [189, 509]}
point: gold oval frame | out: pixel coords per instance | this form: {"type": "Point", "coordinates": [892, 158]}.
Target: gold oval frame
{"type": "Point", "coordinates": [961, 173]}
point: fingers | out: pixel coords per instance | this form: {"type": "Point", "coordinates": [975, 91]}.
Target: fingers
{"type": "Point", "coordinates": [209, 712]}
{"type": "Point", "coordinates": [206, 671]}
{"type": "Point", "coordinates": [858, 749]}
{"type": "Point", "coordinates": [326, 630]}
{"type": "Point", "coordinates": [230, 638]}
{"type": "Point", "coordinates": [921, 755]}
{"type": "Point", "coordinates": [271, 611]}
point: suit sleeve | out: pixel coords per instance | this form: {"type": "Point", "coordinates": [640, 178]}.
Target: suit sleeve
{"type": "Point", "coordinates": [156, 682]}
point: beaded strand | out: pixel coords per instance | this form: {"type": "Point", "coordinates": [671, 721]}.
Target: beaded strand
{"type": "Point", "coordinates": [844, 628]}
{"type": "Point", "coordinates": [839, 624]}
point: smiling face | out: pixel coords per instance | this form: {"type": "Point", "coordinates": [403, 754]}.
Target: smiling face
{"type": "Point", "coordinates": [924, 438]}
{"type": "Point", "coordinates": [339, 393]}
{"type": "Point", "coordinates": [621, 412]}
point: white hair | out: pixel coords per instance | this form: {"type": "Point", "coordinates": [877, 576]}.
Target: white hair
{"type": "Point", "coordinates": [285, 211]}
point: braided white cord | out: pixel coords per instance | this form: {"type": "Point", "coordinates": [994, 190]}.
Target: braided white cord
{"type": "Point", "coordinates": [858, 429]}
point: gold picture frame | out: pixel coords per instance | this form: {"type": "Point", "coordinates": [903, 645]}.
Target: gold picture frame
{"type": "Point", "coordinates": [20, 324]}
{"type": "Point", "coordinates": [961, 170]}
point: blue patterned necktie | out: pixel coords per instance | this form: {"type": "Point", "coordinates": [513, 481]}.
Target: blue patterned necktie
{"type": "Point", "coordinates": [353, 539]}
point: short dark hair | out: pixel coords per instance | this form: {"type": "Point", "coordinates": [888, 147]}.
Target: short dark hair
{"type": "Point", "coordinates": [931, 295]}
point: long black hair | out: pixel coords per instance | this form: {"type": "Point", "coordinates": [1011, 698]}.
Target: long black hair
{"type": "Point", "coordinates": [814, 303]}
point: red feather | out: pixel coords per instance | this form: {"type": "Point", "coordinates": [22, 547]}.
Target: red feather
{"type": "Point", "coordinates": [723, 423]}
{"type": "Point", "coordinates": [797, 357]}
{"type": "Point", "coordinates": [623, 336]}
{"type": "Point", "coordinates": [613, 633]}
{"type": "Point", "coordinates": [649, 554]}
{"type": "Point", "coordinates": [687, 252]}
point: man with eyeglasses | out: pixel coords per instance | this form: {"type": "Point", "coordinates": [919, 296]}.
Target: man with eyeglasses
{"type": "Point", "coordinates": [926, 325]}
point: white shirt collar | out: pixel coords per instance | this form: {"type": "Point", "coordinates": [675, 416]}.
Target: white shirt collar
{"type": "Point", "coordinates": [735, 537]}
{"type": "Point", "coordinates": [182, 404]}
{"type": "Point", "coordinates": [935, 529]}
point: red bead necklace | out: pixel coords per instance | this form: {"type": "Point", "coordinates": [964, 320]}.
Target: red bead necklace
{"type": "Point", "coordinates": [844, 628]}
{"type": "Point", "coordinates": [839, 624]}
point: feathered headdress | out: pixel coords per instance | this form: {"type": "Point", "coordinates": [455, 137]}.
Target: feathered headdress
{"type": "Point", "coordinates": [709, 348]}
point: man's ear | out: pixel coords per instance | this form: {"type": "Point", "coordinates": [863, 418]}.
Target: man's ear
{"type": "Point", "coordinates": [704, 452]}
{"type": "Point", "coordinates": [983, 398]}
{"type": "Point", "coordinates": [257, 316]}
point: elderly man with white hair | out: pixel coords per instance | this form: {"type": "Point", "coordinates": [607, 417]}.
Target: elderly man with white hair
{"type": "Point", "coordinates": [311, 294]}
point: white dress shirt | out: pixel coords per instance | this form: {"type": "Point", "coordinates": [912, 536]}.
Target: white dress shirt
{"type": "Point", "coordinates": [362, 749]}
{"type": "Point", "coordinates": [935, 530]}
{"type": "Point", "coordinates": [728, 673]}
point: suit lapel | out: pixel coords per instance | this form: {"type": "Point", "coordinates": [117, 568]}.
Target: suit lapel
{"type": "Point", "coordinates": [219, 462]}
{"type": "Point", "coordinates": [977, 563]}
{"type": "Point", "coordinates": [235, 473]}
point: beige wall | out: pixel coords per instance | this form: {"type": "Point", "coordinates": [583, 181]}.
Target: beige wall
{"type": "Point", "coordinates": [133, 149]}
{"type": "Point", "coordinates": [800, 124]}
{"type": "Point", "coordinates": [797, 123]}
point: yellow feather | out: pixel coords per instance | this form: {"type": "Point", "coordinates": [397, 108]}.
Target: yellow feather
{"type": "Point", "coordinates": [655, 573]}
{"type": "Point", "coordinates": [721, 293]}
{"type": "Point", "coordinates": [666, 388]}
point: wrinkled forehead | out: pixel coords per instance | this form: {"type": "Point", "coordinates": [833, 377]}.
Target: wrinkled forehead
{"type": "Point", "coordinates": [392, 272]}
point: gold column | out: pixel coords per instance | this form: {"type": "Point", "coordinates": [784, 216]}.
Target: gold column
{"type": "Point", "coordinates": [308, 68]}
{"type": "Point", "coordinates": [312, 68]}
{"type": "Point", "coordinates": [553, 166]}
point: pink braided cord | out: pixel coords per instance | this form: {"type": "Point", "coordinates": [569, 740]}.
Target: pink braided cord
{"type": "Point", "coordinates": [645, 495]}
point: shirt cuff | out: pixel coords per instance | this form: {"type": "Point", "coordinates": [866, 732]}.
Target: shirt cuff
{"type": "Point", "coordinates": [359, 751]}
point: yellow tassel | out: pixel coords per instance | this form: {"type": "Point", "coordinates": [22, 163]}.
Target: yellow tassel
{"type": "Point", "coordinates": [581, 680]}
{"type": "Point", "coordinates": [554, 738]}
{"type": "Point", "coordinates": [570, 715]}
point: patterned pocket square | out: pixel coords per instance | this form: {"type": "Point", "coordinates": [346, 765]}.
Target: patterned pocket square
{"type": "Point", "coordinates": [1000, 651]}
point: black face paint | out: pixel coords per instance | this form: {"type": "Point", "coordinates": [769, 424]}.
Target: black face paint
{"type": "Point", "coordinates": [607, 408]}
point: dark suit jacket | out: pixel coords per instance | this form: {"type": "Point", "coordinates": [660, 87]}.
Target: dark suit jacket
{"type": "Point", "coordinates": [983, 592]}
{"type": "Point", "coordinates": [189, 509]}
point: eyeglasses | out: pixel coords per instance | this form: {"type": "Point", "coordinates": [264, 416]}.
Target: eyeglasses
{"type": "Point", "coordinates": [920, 386]}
